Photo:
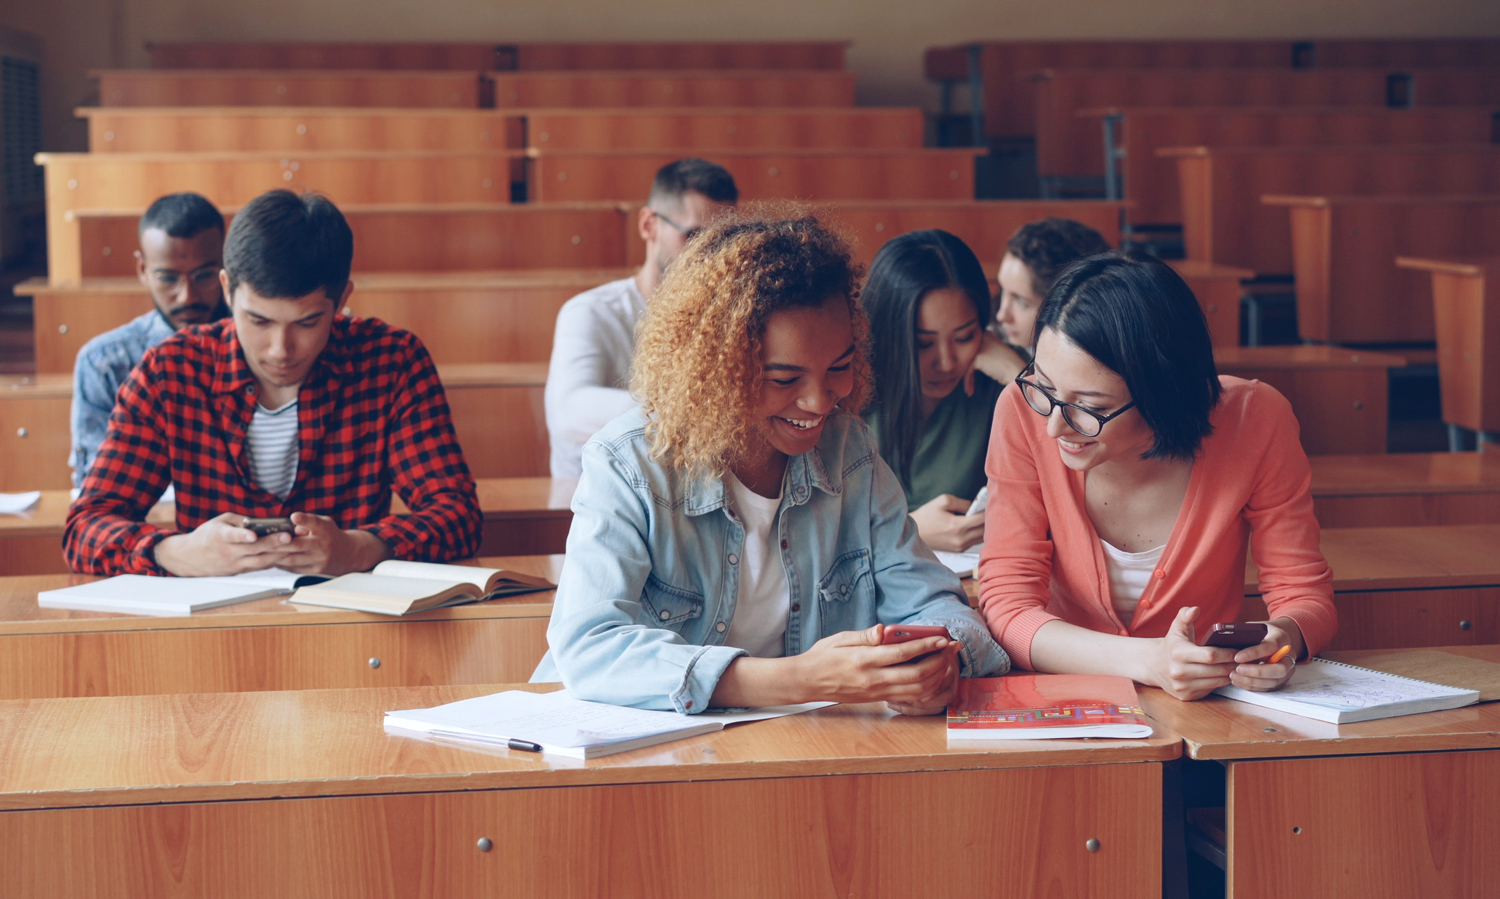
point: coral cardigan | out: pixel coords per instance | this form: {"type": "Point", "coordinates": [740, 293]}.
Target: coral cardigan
{"type": "Point", "coordinates": [1042, 559]}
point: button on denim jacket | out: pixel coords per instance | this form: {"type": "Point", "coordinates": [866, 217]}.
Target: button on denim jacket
{"type": "Point", "coordinates": [647, 593]}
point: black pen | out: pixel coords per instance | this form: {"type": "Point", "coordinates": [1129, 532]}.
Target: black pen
{"type": "Point", "coordinates": [523, 745]}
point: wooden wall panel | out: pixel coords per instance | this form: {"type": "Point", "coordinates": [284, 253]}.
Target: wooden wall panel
{"type": "Point", "coordinates": [540, 90]}
{"type": "Point", "coordinates": [289, 87]}
{"type": "Point", "coordinates": [476, 56]}
{"type": "Point", "coordinates": [245, 129]}
{"type": "Point", "coordinates": [681, 55]}
{"type": "Point", "coordinates": [682, 131]}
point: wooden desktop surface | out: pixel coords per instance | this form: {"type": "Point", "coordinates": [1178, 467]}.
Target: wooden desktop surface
{"type": "Point", "coordinates": [1407, 558]}
{"type": "Point", "coordinates": [1405, 473]}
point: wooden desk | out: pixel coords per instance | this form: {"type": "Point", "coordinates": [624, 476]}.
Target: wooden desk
{"type": "Point", "coordinates": [1224, 221]}
{"type": "Point", "coordinates": [304, 794]}
{"type": "Point", "coordinates": [705, 130]}
{"type": "Point", "coordinates": [1340, 396]}
{"type": "Point", "coordinates": [1343, 252]}
{"type": "Point", "coordinates": [462, 317]}
{"type": "Point", "coordinates": [267, 644]}
{"type": "Point", "coordinates": [922, 174]}
{"type": "Point", "coordinates": [670, 88]}
{"type": "Point", "coordinates": [229, 129]}
{"type": "Point", "coordinates": [1151, 181]}
{"type": "Point", "coordinates": [1218, 290]}
{"type": "Point", "coordinates": [35, 436]}
{"type": "Point", "coordinates": [1406, 489]}
{"type": "Point", "coordinates": [400, 239]}
{"type": "Point", "coordinates": [1396, 807]}
{"type": "Point", "coordinates": [1407, 587]}
{"type": "Point", "coordinates": [705, 55]}
{"type": "Point", "coordinates": [1012, 113]}
{"type": "Point", "coordinates": [1466, 308]}
{"type": "Point", "coordinates": [290, 87]}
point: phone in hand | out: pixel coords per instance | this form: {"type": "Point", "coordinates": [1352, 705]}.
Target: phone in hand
{"type": "Point", "coordinates": [980, 503]}
{"type": "Point", "coordinates": [1236, 636]}
{"type": "Point", "coordinates": [262, 527]}
{"type": "Point", "coordinates": [905, 633]}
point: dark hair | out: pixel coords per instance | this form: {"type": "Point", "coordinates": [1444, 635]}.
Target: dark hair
{"type": "Point", "coordinates": [182, 215]}
{"type": "Point", "coordinates": [1139, 319]}
{"type": "Point", "coordinates": [675, 179]}
{"type": "Point", "coordinates": [1051, 245]}
{"type": "Point", "coordinates": [284, 246]}
{"type": "Point", "coordinates": [904, 271]}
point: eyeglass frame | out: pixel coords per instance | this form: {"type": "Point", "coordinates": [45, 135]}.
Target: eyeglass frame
{"type": "Point", "coordinates": [687, 233]}
{"type": "Point", "coordinates": [1103, 420]}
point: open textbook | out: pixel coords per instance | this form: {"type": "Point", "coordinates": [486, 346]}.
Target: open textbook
{"type": "Point", "coordinates": [1340, 693]}
{"type": "Point", "coordinates": [399, 588]}
{"type": "Point", "coordinates": [562, 725]}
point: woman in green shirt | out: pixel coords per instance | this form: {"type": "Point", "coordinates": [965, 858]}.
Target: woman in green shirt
{"type": "Point", "coordinates": [928, 304]}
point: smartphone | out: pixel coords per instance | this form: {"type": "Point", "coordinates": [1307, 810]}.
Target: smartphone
{"type": "Point", "coordinates": [905, 633]}
{"type": "Point", "coordinates": [262, 527]}
{"type": "Point", "coordinates": [1236, 636]}
{"type": "Point", "coordinates": [980, 502]}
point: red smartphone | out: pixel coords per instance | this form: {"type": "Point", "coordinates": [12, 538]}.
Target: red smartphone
{"type": "Point", "coordinates": [1236, 636]}
{"type": "Point", "coordinates": [905, 633]}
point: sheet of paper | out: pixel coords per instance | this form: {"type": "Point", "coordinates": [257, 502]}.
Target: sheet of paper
{"type": "Point", "coordinates": [13, 503]}
{"type": "Point", "coordinates": [962, 564]}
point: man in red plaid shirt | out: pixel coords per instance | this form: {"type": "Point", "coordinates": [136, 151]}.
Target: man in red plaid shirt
{"type": "Point", "coordinates": [285, 409]}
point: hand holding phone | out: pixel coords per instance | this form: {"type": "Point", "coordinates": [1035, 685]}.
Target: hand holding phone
{"type": "Point", "coordinates": [262, 527]}
{"type": "Point", "coordinates": [905, 633]}
{"type": "Point", "coordinates": [1240, 635]}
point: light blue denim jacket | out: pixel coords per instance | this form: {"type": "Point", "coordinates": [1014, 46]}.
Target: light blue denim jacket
{"type": "Point", "coordinates": [104, 363]}
{"type": "Point", "coordinates": [648, 590]}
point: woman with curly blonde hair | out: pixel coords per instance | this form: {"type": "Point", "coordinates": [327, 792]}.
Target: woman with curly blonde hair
{"type": "Point", "coordinates": [737, 540]}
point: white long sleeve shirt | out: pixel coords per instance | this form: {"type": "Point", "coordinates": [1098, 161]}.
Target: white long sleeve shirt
{"type": "Point", "coordinates": [588, 378]}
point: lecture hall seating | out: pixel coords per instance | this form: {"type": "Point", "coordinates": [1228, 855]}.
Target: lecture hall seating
{"type": "Point", "coordinates": [641, 88]}
{"type": "Point", "coordinates": [1349, 289]}
{"type": "Point", "coordinates": [1406, 489]}
{"type": "Point", "coordinates": [291, 87]}
{"type": "Point", "coordinates": [1466, 306]}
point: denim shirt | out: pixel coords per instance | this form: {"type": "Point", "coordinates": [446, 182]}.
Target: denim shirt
{"type": "Point", "coordinates": [104, 363]}
{"type": "Point", "coordinates": [648, 588]}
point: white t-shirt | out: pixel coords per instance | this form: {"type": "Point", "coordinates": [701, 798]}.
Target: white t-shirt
{"type": "Point", "coordinates": [1129, 573]}
{"type": "Point", "coordinates": [273, 446]}
{"type": "Point", "coordinates": [588, 378]}
{"type": "Point", "coordinates": [759, 625]}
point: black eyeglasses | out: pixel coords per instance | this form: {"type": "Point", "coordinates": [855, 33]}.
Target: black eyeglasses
{"type": "Point", "coordinates": [1087, 423]}
{"type": "Point", "coordinates": [687, 233]}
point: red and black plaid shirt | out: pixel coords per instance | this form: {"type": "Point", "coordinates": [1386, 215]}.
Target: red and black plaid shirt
{"type": "Point", "coordinates": [371, 417]}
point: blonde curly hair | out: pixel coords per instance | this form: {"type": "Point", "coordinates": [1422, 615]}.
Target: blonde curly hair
{"type": "Point", "coordinates": [697, 368]}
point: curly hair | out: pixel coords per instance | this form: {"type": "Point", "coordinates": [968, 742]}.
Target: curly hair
{"type": "Point", "coordinates": [698, 349]}
{"type": "Point", "coordinates": [1051, 245]}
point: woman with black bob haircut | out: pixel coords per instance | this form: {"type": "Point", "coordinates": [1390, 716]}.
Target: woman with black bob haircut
{"type": "Point", "coordinates": [1126, 476]}
{"type": "Point", "coordinates": [928, 303]}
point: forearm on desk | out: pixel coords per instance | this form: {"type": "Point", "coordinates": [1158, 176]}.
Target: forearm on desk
{"type": "Point", "coordinates": [1062, 648]}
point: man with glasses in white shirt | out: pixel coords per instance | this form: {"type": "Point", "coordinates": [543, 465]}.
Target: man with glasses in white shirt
{"type": "Point", "coordinates": [595, 336]}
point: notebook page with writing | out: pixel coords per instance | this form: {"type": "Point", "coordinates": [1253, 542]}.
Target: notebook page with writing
{"type": "Point", "coordinates": [1343, 694]}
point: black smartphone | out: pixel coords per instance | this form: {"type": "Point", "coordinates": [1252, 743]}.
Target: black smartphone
{"type": "Point", "coordinates": [1236, 636]}
{"type": "Point", "coordinates": [262, 527]}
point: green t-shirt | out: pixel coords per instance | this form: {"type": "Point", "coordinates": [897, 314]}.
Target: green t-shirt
{"type": "Point", "coordinates": [952, 445]}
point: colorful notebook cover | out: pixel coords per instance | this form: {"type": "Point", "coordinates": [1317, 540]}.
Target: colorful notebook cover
{"type": "Point", "coordinates": [1047, 707]}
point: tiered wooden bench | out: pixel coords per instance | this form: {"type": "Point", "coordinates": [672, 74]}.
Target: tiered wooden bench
{"type": "Point", "coordinates": [496, 406]}
{"type": "Point", "coordinates": [639, 88]}
{"type": "Point", "coordinates": [705, 129]}
{"type": "Point", "coordinates": [922, 174]}
{"type": "Point", "coordinates": [500, 55]}
{"type": "Point", "coordinates": [1224, 220]}
{"type": "Point", "coordinates": [1340, 396]}
{"type": "Point", "coordinates": [1344, 248]}
{"type": "Point", "coordinates": [1466, 305]}
{"type": "Point", "coordinates": [1150, 181]}
{"type": "Point", "coordinates": [1009, 113]}
{"type": "Point", "coordinates": [461, 316]}
{"type": "Point", "coordinates": [1218, 289]}
{"type": "Point", "coordinates": [291, 87]}
{"type": "Point", "coordinates": [1406, 489]}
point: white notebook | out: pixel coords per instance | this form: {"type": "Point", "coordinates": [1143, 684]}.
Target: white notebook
{"type": "Point", "coordinates": [566, 726]}
{"type": "Point", "coordinates": [138, 594]}
{"type": "Point", "coordinates": [1343, 694]}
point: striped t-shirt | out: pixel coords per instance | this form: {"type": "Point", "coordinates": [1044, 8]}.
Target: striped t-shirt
{"type": "Point", "coordinates": [272, 441]}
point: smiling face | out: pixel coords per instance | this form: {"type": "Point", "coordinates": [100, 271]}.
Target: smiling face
{"type": "Point", "coordinates": [281, 338]}
{"type": "Point", "coordinates": [1019, 302]}
{"type": "Point", "coordinates": [1071, 375]}
{"type": "Point", "coordinates": [807, 360]}
{"type": "Point", "coordinates": [182, 274]}
{"type": "Point", "coordinates": [947, 341]}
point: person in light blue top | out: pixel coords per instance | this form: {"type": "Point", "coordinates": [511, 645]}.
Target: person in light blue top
{"type": "Point", "coordinates": [737, 540]}
{"type": "Point", "coordinates": [182, 251]}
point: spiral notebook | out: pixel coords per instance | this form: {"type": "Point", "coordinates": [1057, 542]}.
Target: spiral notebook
{"type": "Point", "coordinates": [1340, 693]}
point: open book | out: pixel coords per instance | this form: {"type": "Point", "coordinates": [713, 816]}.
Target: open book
{"type": "Point", "coordinates": [563, 725]}
{"type": "Point", "coordinates": [399, 588]}
{"type": "Point", "coordinates": [1046, 707]}
{"type": "Point", "coordinates": [1340, 693]}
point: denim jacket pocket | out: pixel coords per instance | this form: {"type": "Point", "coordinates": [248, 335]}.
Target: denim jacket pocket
{"type": "Point", "coordinates": [849, 578]}
{"type": "Point", "coordinates": [669, 606]}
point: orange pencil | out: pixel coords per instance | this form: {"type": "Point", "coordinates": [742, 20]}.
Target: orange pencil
{"type": "Point", "coordinates": [1280, 654]}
